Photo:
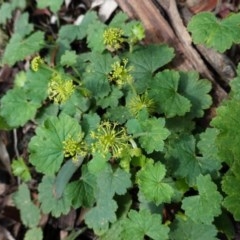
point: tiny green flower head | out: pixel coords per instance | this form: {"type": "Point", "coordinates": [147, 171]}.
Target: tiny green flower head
{"type": "Point", "coordinates": [120, 73]}
{"type": "Point", "coordinates": [36, 63]}
{"type": "Point", "coordinates": [109, 138]}
{"type": "Point", "coordinates": [60, 90]}
{"type": "Point", "coordinates": [113, 38]}
{"type": "Point", "coordinates": [74, 148]}
{"type": "Point", "coordinates": [140, 102]}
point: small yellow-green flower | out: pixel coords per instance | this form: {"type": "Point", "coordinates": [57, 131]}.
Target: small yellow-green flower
{"type": "Point", "coordinates": [74, 148]}
{"type": "Point", "coordinates": [113, 38]}
{"type": "Point", "coordinates": [110, 138]}
{"type": "Point", "coordinates": [59, 89]}
{"type": "Point", "coordinates": [36, 63]}
{"type": "Point", "coordinates": [120, 73]}
{"type": "Point", "coordinates": [140, 102]}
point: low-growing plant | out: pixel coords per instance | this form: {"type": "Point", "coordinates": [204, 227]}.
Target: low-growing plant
{"type": "Point", "coordinates": [116, 132]}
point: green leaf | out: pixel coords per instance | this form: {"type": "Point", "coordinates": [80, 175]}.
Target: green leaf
{"type": "Point", "coordinates": [151, 133]}
{"type": "Point", "coordinates": [68, 33]}
{"type": "Point", "coordinates": [205, 206]}
{"type": "Point", "coordinates": [30, 214]}
{"type": "Point", "coordinates": [143, 223]}
{"type": "Point", "coordinates": [76, 105]}
{"type": "Point", "coordinates": [208, 148]}
{"type": "Point", "coordinates": [114, 232]}
{"type": "Point", "coordinates": [111, 182]}
{"type": "Point", "coordinates": [219, 34]}
{"type": "Point", "coordinates": [83, 190]}
{"type": "Point", "coordinates": [65, 174]}
{"type": "Point", "coordinates": [112, 99]}
{"type": "Point", "coordinates": [231, 186]}
{"type": "Point", "coordinates": [53, 5]}
{"type": "Point", "coordinates": [6, 9]}
{"type": "Point", "coordinates": [49, 202]}
{"type": "Point", "coordinates": [235, 85]}
{"type": "Point", "coordinates": [118, 114]}
{"type": "Point", "coordinates": [36, 84]}
{"type": "Point", "coordinates": [46, 148]}
{"type": "Point", "coordinates": [185, 228]}
{"type": "Point", "coordinates": [13, 104]}
{"type": "Point", "coordinates": [95, 36]}
{"type": "Point", "coordinates": [5, 12]}
{"type": "Point", "coordinates": [186, 163]}
{"type": "Point", "coordinates": [69, 58]}
{"type": "Point", "coordinates": [99, 217]}
{"type": "Point", "coordinates": [18, 4]}
{"type": "Point", "coordinates": [19, 48]}
{"type": "Point", "coordinates": [227, 122]}
{"type": "Point", "coordinates": [146, 60]}
{"type": "Point", "coordinates": [89, 123]}
{"type": "Point", "coordinates": [34, 233]}
{"type": "Point", "coordinates": [197, 91]}
{"type": "Point", "coordinates": [22, 25]}
{"type": "Point", "coordinates": [20, 169]}
{"type": "Point", "coordinates": [98, 163]}
{"type": "Point", "coordinates": [164, 92]}
{"type": "Point", "coordinates": [96, 77]}
{"type": "Point", "coordinates": [153, 185]}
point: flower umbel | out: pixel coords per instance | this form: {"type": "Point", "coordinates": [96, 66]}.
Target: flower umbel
{"type": "Point", "coordinates": [140, 102]}
{"type": "Point", "coordinates": [60, 90]}
{"type": "Point", "coordinates": [113, 38]}
{"type": "Point", "coordinates": [36, 63]}
{"type": "Point", "coordinates": [74, 148]}
{"type": "Point", "coordinates": [120, 73]}
{"type": "Point", "coordinates": [110, 139]}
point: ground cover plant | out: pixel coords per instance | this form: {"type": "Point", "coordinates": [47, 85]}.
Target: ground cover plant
{"type": "Point", "coordinates": [115, 131]}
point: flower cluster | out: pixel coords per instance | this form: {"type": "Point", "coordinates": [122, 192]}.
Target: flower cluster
{"type": "Point", "coordinates": [36, 63]}
{"type": "Point", "coordinates": [59, 89]}
{"type": "Point", "coordinates": [140, 102]}
{"type": "Point", "coordinates": [120, 73]}
{"type": "Point", "coordinates": [113, 38]}
{"type": "Point", "coordinates": [74, 148]}
{"type": "Point", "coordinates": [109, 138]}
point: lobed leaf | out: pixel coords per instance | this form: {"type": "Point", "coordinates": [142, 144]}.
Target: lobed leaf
{"type": "Point", "coordinates": [164, 91]}
{"type": "Point", "coordinates": [19, 48]}
{"type": "Point", "coordinates": [197, 207]}
{"type": "Point", "coordinates": [214, 33]}
{"type": "Point", "coordinates": [30, 213]}
{"type": "Point", "coordinates": [153, 185]}
{"type": "Point", "coordinates": [190, 230]}
{"type": "Point", "coordinates": [146, 60]}
{"type": "Point", "coordinates": [49, 201]}
{"type": "Point", "coordinates": [46, 148]}
{"type": "Point", "coordinates": [143, 223]}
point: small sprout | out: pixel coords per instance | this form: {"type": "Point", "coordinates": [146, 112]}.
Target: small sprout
{"type": "Point", "coordinates": [36, 63]}
{"type": "Point", "coordinates": [110, 139]}
{"type": "Point", "coordinates": [60, 90]}
{"type": "Point", "coordinates": [74, 148]}
{"type": "Point", "coordinates": [138, 33]}
{"type": "Point", "coordinates": [113, 38]}
{"type": "Point", "coordinates": [140, 102]}
{"type": "Point", "coordinates": [120, 73]}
